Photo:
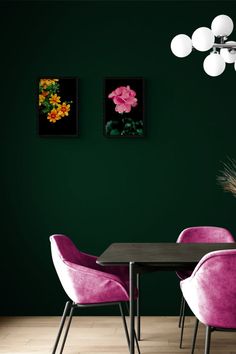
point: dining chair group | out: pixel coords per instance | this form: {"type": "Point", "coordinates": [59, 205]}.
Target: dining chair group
{"type": "Point", "coordinates": [199, 234]}
{"type": "Point", "coordinates": [87, 284]}
{"type": "Point", "coordinates": [209, 290]}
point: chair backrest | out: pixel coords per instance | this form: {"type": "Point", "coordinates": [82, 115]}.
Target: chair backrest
{"type": "Point", "coordinates": [65, 257]}
{"type": "Point", "coordinates": [212, 289]}
{"type": "Point", "coordinates": [63, 247]}
{"type": "Point", "coordinates": [205, 234]}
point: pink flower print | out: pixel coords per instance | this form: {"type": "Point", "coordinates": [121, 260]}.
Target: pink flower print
{"type": "Point", "coordinates": [124, 98]}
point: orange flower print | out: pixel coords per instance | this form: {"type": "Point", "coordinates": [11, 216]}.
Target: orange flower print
{"type": "Point", "coordinates": [47, 82]}
{"type": "Point", "coordinates": [54, 104]}
{"type": "Point", "coordinates": [45, 93]}
{"type": "Point", "coordinates": [54, 99]}
{"type": "Point", "coordinates": [53, 116]}
{"type": "Point", "coordinates": [63, 109]}
{"type": "Point", "coordinates": [41, 99]}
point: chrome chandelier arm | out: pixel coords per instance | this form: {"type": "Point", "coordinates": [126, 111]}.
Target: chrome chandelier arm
{"type": "Point", "coordinates": [224, 45]}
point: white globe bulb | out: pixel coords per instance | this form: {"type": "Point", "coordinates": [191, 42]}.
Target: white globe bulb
{"type": "Point", "coordinates": [214, 64]}
{"type": "Point", "coordinates": [222, 25]}
{"type": "Point", "coordinates": [203, 39]}
{"type": "Point", "coordinates": [181, 45]}
{"type": "Point", "coordinates": [229, 57]}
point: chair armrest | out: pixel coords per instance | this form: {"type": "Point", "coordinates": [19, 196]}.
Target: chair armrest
{"type": "Point", "coordinates": [120, 271]}
{"type": "Point", "coordinates": [85, 285]}
{"type": "Point", "coordinates": [93, 273]}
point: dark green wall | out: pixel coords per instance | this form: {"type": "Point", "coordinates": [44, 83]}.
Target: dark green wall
{"type": "Point", "coordinates": [99, 190]}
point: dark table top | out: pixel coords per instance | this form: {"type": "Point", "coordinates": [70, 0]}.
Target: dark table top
{"type": "Point", "coordinates": [164, 255]}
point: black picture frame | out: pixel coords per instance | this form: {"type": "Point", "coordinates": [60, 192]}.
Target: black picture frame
{"type": "Point", "coordinates": [67, 124]}
{"type": "Point", "coordinates": [131, 124]}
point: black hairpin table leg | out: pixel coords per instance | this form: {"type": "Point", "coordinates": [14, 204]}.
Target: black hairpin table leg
{"type": "Point", "coordinates": [131, 305]}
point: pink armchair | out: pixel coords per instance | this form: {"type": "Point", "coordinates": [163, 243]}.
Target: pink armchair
{"type": "Point", "coordinates": [86, 283]}
{"type": "Point", "coordinates": [211, 293]}
{"type": "Point", "coordinates": [199, 234]}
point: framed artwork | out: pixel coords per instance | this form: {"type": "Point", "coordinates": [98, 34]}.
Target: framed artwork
{"type": "Point", "coordinates": [58, 106]}
{"type": "Point", "coordinates": [124, 107]}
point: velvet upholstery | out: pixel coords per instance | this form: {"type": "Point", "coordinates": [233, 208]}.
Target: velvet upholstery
{"type": "Point", "coordinates": [211, 289]}
{"type": "Point", "coordinates": [84, 281]}
{"type": "Point", "coordinates": [203, 234]}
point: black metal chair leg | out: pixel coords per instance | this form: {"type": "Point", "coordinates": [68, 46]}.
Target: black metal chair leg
{"type": "Point", "coordinates": [124, 322]}
{"type": "Point", "coordinates": [67, 328]}
{"type": "Point", "coordinates": [208, 340]}
{"type": "Point", "coordinates": [181, 311]}
{"type": "Point", "coordinates": [138, 309]}
{"type": "Point", "coordinates": [67, 307]}
{"type": "Point", "coordinates": [195, 335]}
{"type": "Point", "coordinates": [135, 336]}
{"type": "Point", "coordinates": [182, 325]}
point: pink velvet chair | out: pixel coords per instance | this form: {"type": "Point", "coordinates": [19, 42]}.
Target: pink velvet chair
{"type": "Point", "coordinates": [211, 293]}
{"type": "Point", "coordinates": [86, 283]}
{"type": "Point", "coordinates": [199, 234]}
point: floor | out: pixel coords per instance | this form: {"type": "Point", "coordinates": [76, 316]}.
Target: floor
{"type": "Point", "coordinates": [102, 335]}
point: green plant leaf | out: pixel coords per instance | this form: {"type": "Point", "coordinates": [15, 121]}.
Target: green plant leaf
{"type": "Point", "coordinates": [114, 132]}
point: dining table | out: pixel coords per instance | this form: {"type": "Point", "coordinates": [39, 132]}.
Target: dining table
{"type": "Point", "coordinates": [159, 256]}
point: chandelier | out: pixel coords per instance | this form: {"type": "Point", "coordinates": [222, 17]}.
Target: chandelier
{"type": "Point", "coordinates": [214, 39]}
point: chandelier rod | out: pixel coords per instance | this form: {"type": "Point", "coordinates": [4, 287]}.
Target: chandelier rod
{"type": "Point", "coordinates": [224, 45]}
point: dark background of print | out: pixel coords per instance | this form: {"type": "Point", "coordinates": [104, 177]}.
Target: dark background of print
{"type": "Point", "coordinates": [66, 125]}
